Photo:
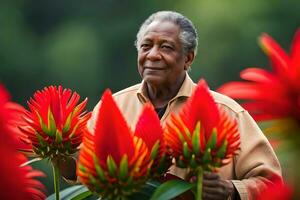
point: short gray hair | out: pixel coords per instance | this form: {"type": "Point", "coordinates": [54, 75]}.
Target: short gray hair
{"type": "Point", "coordinates": [188, 33]}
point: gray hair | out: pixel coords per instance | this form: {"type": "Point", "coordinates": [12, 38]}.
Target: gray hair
{"type": "Point", "coordinates": [188, 33]}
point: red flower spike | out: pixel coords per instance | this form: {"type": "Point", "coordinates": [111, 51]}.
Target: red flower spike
{"type": "Point", "coordinates": [54, 125]}
{"type": "Point", "coordinates": [18, 182]}
{"type": "Point", "coordinates": [271, 94]}
{"type": "Point", "coordinates": [119, 132]}
{"type": "Point", "coordinates": [202, 134]}
{"type": "Point", "coordinates": [149, 129]}
{"type": "Point", "coordinates": [208, 112]}
{"type": "Point", "coordinates": [112, 161]}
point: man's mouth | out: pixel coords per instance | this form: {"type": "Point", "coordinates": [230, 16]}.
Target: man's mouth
{"type": "Point", "coordinates": [154, 68]}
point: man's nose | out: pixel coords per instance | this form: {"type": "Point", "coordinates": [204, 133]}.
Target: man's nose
{"type": "Point", "coordinates": [154, 54]}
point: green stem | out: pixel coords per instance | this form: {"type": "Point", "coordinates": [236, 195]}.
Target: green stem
{"type": "Point", "coordinates": [56, 180]}
{"type": "Point", "coordinates": [199, 184]}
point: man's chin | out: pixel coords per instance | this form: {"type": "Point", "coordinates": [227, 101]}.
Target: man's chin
{"type": "Point", "coordinates": [153, 79]}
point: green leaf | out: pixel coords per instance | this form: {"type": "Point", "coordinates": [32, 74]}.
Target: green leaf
{"type": "Point", "coordinates": [211, 144]}
{"type": "Point", "coordinates": [77, 192]}
{"type": "Point", "coordinates": [181, 138]}
{"type": "Point", "coordinates": [123, 170]}
{"type": "Point", "coordinates": [171, 189]}
{"type": "Point", "coordinates": [82, 168]}
{"type": "Point", "coordinates": [42, 142]}
{"type": "Point", "coordinates": [186, 150]}
{"type": "Point", "coordinates": [74, 130]}
{"type": "Point", "coordinates": [154, 150]}
{"type": "Point", "coordinates": [222, 151]}
{"type": "Point", "coordinates": [187, 131]}
{"type": "Point", "coordinates": [58, 137]}
{"type": "Point", "coordinates": [207, 156]}
{"type": "Point", "coordinates": [146, 191]}
{"type": "Point", "coordinates": [29, 162]}
{"type": "Point", "coordinates": [82, 195]}
{"type": "Point", "coordinates": [196, 139]}
{"type": "Point", "coordinates": [67, 125]}
{"type": "Point", "coordinates": [51, 123]}
{"type": "Point", "coordinates": [99, 170]}
{"type": "Point", "coordinates": [111, 165]}
{"type": "Point", "coordinates": [43, 125]}
{"type": "Point", "coordinates": [193, 162]}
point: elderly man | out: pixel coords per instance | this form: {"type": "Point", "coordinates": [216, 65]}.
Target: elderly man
{"type": "Point", "coordinates": [167, 45]}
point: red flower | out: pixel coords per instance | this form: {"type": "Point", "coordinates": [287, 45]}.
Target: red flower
{"type": "Point", "coordinates": [17, 182]}
{"type": "Point", "coordinates": [12, 113]}
{"type": "Point", "coordinates": [276, 191]}
{"type": "Point", "coordinates": [54, 123]}
{"type": "Point", "coordinates": [15, 116]}
{"type": "Point", "coordinates": [113, 161]}
{"type": "Point", "coordinates": [271, 94]}
{"type": "Point", "coordinates": [149, 129]}
{"type": "Point", "coordinates": [202, 134]}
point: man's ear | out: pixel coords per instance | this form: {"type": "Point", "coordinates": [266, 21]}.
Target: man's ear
{"type": "Point", "coordinates": [189, 58]}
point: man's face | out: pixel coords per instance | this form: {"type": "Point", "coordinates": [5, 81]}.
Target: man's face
{"type": "Point", "coordinates": [161, 60]}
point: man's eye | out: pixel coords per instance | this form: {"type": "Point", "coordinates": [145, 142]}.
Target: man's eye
{"type": "Point", "coordinates": [166, 47]}
{"type": "Point", "coordinates": [145, 46]}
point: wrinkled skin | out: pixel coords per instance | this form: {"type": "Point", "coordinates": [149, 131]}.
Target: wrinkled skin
{"type": "Point", "coordinates": [162, 63]}
{"type": "Point", "coordinates": [214, 188]}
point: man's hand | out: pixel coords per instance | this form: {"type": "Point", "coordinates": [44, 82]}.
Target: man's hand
{"type": "Point", "coordinates": [214, 188]}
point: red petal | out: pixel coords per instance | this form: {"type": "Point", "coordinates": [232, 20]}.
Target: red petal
{"type": "Point", "coordinates": [112, 134]}
{"type": "Point", "coordinates": [278, 57]}
{"type": "Point", "coordinates": [253, 91]}
{"type": "Point", "coordinates": [276, 191]}
{"type": "Point", "coordinates": [56, 105]}
{"type": "Point", "coordinates": [22, 181]}
{"type": "Point", "coordinates": [148, 127]}
{"type": "Point", "coordinates": [14, 120]}
{"type": "Point", "coordinates": [258, 75]}
{"type": "Point", "coordinates": [201, 107]}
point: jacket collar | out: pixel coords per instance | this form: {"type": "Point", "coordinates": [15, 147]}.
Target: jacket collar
{"type": "Point", "coordinates": [185, 90]}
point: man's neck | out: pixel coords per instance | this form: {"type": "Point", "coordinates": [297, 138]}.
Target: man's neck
{"type": "Point", "coordinates": [160, 96]}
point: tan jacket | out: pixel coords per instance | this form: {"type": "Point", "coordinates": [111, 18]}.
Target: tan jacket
{"type": "Point", "coordinates": [249, 170]}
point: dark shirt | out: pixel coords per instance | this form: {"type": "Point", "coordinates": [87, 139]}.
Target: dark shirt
{"type": "Point", "coordinates": [160, 111]}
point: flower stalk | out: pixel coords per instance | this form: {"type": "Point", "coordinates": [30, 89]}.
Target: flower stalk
{"type": "Point", "coordinates": [199, 183]}
{"type": "Point", "coordinates": [56, 175]}
{"type": "Point", "coordinates": [202, 137]}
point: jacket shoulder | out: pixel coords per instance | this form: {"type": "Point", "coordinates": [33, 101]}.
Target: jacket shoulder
{"type": "Point", "coordinates": [131, 89]}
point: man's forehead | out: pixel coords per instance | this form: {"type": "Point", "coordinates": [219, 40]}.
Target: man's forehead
{"type": "Point", "coordinates": [164, 28]}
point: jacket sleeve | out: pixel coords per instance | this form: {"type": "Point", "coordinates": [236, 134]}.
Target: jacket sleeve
{"type": "Point", "coordinates": [256, 164]}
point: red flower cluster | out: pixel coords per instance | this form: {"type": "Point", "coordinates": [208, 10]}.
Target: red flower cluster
{"type": "Point", "coordinates": [54, 125]}
{"type": "Point", "coordinates": [271, 94]}
{"type": "Point", "coordinates": [17, 182]}
{"type": "Point", "coordinates": [202, 134]}
{"type": "Point", "coordinates": [114, 162]}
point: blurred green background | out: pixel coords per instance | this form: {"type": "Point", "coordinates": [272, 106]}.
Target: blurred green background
{"type": "Point", "coordinates": [88, 46]}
